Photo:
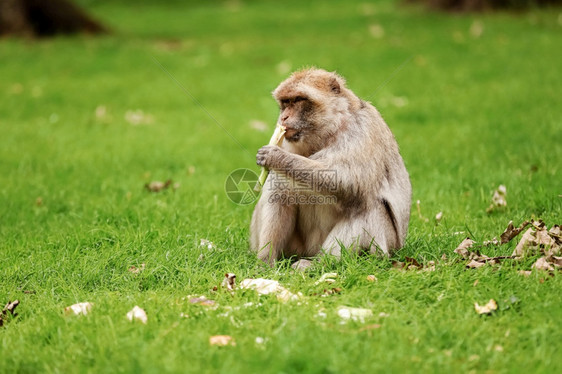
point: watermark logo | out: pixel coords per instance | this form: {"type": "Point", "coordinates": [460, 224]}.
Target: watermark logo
{"type": "Point", "coordinates": [239, 186]}
{"type": "Point", "coordinates": [293, 187]}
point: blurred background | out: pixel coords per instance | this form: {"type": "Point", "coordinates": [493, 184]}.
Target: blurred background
{"type": "Point", "coordinates": [99, 98]}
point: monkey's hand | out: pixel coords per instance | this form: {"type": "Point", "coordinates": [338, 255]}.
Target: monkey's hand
{"type": "Point", "coordinates": [268, 155]}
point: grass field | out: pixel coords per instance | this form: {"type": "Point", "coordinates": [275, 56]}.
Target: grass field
{"type": "Point", "coordinates": [474, 102]}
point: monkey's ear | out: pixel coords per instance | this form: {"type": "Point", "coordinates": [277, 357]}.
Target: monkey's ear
{"type": "Point", "coordinates": [335, 86]}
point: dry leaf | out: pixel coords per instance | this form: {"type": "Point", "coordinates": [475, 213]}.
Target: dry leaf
{"type": "Point", "coordinates": [137, 314]}
{"type": "Point", "coordinates": [525, 273]}
{"type": "Point", "coordinates": [79, 309]}
{"type": "Point", "coordinates": [135, 270]}
{"type": "Point", "coordinates": [542, 264]}
{"type": "Point", "coordinates": [511, 232]}
{"type": "Point", "coordinates": [157, 186]}
{"type": "Point", "coordinates": [203, 301]}
{"type": "Point", "coordinates": [328, 292]}
{"type": "Point", "coordinates": [9, 309]}
{"type": "Point", "coordinates": [473, 264]}
{"type": "Point", "coordinates": [555, 260]}
{"type": "Point", "coordinates": [354, 314]}
{"type": "Point", "coordinates": [438, 217]}
{"type": "Point", "coordinates": [327, 277]}
{"type": "Point", "coordinates": [498, 200]}
{"type": "Point", "coordinates": [486, 309]}
{"type": "Point", "coordinates": [372, 278]}
{"type": "Point", "coordinates": [267, 286]}
{"type": "Point", "coordinates": [222, 340]}
{"type": "Point", "coordinates": [229, 281]}
{"type": "Point", "coordinates": [537, 238]}
{"type": "Point", "coordinates": [462, 249]}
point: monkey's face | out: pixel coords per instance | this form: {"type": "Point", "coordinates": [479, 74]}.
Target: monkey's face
{"type": "Point", "coordinates": [297, 117]}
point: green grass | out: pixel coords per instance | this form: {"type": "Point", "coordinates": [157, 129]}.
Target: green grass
{"type": "Point", "coordinates": [479, 112]}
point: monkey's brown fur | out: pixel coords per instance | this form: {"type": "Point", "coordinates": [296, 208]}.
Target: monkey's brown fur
{"type": "Point", "coordinates": [330, 131]}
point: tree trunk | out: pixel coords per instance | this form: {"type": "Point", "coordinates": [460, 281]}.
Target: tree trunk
{"type": "Point", "coordinates": [42, 18]}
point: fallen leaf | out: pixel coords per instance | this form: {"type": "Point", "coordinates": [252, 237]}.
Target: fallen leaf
{"type": "Point", "coordinates": [412, 262]}
{"type": "Point", "coordinates": [525, 273]}
{"type": "Point", "coordinates": [157, 186]}
{"type": "Point", "coordinates": [462, 249]}
{"type": "Point", "coordinates": [328, 292]}
{"type": "Point", "coordinates": [327, 277]}
{"type": "Point", "coordinates": [486, 309]}
{"type": "Point", "coordinates": [135, 270]}
{"type": "Point", "coordinates": [372, 278]}
{"type": "Point", "coordinates": [203, 301]}
{"type": "Point", "coordinates": [9, 309]}
{"type": "Point", "coordinates": [229, 281]}
{"type": "Point", "coordinates": [555, 232]}
{"type": "Point", "coordinates": [473, 264]}
{"type": "Point", "coordinates": [538, 239]}
{"type": "Point", "coordinates": [354, 314]}
{"type": "Point", "coordinates": [222, 340]}
{"type": "Point", "coordinates": [542, 264]}
{"type": "Point", "coordinates": [137, 314]}
{"type": "Point", "coordinates": [384, 315]}
{"type": "Point", "coordinates": [267, 286]}
{"type": "Point", "coordinates": [498, 199]}
{"type": "Point", "coordinates": [79, 309]}
{"type": "Point", "coordinates": [511, 232]}
{"type": "Point", "coordinates": [438, 217]}
{"type": "Point", "coordinates": [555, 260]}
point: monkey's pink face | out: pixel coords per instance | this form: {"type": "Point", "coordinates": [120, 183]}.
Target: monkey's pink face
{"type": "Point", "coordinates": [296, 113]}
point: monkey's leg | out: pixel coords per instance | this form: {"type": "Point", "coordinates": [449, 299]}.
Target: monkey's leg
{"type": "Point", "coordinates": [276, 228]}
{"type": "Point", "coordinates": [373, 231]}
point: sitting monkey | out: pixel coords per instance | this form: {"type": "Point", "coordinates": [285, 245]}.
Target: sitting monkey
{"type": "Point", "coordinates": [337, 180]}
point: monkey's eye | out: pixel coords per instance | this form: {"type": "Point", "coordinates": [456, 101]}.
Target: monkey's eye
{"type": "Point", "coordinates": [299, 98]}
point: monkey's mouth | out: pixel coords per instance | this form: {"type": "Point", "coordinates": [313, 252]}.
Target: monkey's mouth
{"type": "Point", "coordinates": [292, 134]}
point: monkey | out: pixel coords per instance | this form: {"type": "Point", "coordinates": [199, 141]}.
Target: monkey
{"type": "Point", "coordinates": [336, 181]}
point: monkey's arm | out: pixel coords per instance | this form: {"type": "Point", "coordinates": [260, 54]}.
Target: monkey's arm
{"type": "Point", "coordinates": [299, 168]}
